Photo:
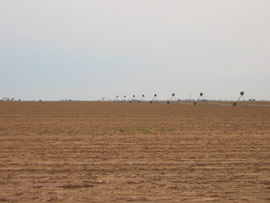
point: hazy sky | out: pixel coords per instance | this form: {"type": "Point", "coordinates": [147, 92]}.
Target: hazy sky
{"type": "Point", "coordinates": [87, 49]}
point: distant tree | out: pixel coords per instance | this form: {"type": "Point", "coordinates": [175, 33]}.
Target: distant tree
{"type": "Point", "coordinates": [155, 96]}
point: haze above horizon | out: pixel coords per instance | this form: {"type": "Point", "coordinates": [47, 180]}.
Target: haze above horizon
{"type": "Point", "coordinates": [86, 50]}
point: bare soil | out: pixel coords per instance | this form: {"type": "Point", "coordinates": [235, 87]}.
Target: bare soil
{"type": "Point", "coordinates": [89, 152]}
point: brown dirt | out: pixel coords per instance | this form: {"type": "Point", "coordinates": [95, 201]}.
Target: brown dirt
{"type": "Point", "coordinates": [87, 152]}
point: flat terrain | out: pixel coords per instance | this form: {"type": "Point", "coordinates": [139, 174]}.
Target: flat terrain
{"type": "Point", "coordinates": [88, 152]}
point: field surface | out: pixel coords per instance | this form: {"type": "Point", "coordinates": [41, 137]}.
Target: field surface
{"type": "Point", "coordinates": [90, 152]}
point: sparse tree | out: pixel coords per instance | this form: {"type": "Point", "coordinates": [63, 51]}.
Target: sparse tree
{"type": "Point", "coordinates": [242, 93]}
{"type": "Point", "coordinates": [155, 96]}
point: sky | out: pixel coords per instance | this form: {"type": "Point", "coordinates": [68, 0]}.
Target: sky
{"type": "Point", "coordinates": [86, 50]}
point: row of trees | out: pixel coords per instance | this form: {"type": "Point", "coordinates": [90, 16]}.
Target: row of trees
{"type": "Point", "coordinates": [195, 102]}
{"type": "Point", "coordinates": [141, 99]}
{"type": "Point", "coordinates": [9, 99]}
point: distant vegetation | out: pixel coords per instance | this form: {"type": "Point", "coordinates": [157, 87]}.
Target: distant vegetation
{"type": "Point", "coordinates": [9, 99]}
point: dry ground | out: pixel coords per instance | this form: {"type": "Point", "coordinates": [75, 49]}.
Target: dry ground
{"type": "Point", "coordinates": [88, 152]}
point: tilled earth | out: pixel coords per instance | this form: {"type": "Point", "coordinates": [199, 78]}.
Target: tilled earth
{"type": "Point", "coordinates": [89, 152]}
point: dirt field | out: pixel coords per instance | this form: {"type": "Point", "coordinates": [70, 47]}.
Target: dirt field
{"type": "Point", "coordinates": [88, 152]}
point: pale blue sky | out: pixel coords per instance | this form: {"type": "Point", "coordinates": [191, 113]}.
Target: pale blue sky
{"type": "Point", "coordinates": [82, 49]}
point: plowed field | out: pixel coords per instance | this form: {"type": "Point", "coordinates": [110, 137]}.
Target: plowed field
{"type": "Point", "coordinates": [88, 152]}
